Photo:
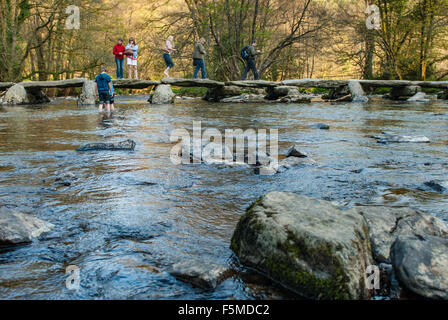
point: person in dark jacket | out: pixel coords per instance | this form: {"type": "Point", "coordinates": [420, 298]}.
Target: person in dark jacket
{"type": "Point", "coordinates": [198, 59]}
{"type": "Point", "coordinates": [250, 61]}
{"type": "Point", "coordinates": [104, 87]}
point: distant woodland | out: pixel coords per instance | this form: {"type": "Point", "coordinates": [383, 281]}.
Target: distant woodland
{"type": "Point", "coordinates": [298, 38]}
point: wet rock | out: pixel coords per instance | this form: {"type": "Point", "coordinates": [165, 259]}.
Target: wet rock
{"type": "Point", "coordinates": [341, 93]}
{"type": "Point", "coordinates": [437, 185]}
{"type": "Point", "coordinates": [18, 228]}
{"type": "Point", "coordinates": [420, 263]}
{"type": "Point", "coordinates": [386, 224]}
{"type": "Point", "coordinates": [219, 93]}
{"type": "Point", "coordinates": [321, 126]}
{"type": "Point", "coordinates": [275, 93]}
{"type": "Point", "coordinates": [295, 151]}
{"type": "Point", "coordinates": [357, 92]}
{"type": "Point", "coordinates": [403, 93]}
{"type": "Point", "coordinates": [128, 145]}
{"type": "Point", "coordinates": [244, 98]}
{"type": "Point", "coordinates": [295, 99]}
{"type": "Point", "coordinates": [163, 94]}
{"type": "Point", "coordinates": [17, 95]}
{"type": "Point", "coordinates": [202, 274]}
{"type": "Point", "coordinates": [65, 179]}
{"type": "Point", "coordinates": [418, 97]}
{"type": "Point", "coordinates": [391, 138]}
{"type": "Point", "coordinates": [88, 94]}
{"type": "Point", "coordinates": [443, 95]}
{"type": "Point", "coordinates": [293, 162]}
{"type": "Point", "coordinates": [307, 245]}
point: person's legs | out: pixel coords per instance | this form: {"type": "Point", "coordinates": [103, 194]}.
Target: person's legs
{"type": "Point", "coordinates": [196, 69]}
{"type": "Point", "coordinates": [102, 100]}
{"type": "Point", "coordinates": [129, 71]}
{"type": "Point", "coordinates": [253, 66]}
{"type": "Point", "coordinates": [246, 70]}
{"type": "Point", "coordinates": [117, 63]}
{"type": "Point", "coordinates": [203, 72]}
{"type": "Point", "coordinates": [136, 72]}
{"type": "Point", "coordinates": [121, 62]}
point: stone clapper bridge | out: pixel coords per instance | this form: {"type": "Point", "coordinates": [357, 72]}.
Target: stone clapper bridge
{"type": "Point", "coordinates": [30, 92]}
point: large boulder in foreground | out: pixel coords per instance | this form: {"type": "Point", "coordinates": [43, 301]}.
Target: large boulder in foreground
{"type": "Point", "coordinates": [421, 265]}
{"type": "Point", "coordinates": [163, 94]}
{"type": "Point", "coordinates": [386, 224]}
{"type": "Point", "coordinates": [307, 245]}
{"type": "Point", "coordinates": [19, 228]}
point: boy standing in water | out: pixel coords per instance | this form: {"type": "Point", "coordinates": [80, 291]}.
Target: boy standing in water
{"type": "Point", "coordinates": [104, 87]}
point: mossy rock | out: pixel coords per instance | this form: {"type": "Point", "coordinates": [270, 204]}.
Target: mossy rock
{"type": "Point", "coordinates": [307, 245]}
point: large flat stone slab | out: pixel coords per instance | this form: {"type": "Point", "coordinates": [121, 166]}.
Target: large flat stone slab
{"type": "Point", "coordinates": [5, 85]}
{"type": "Point", "coordinates": [180, 82]}
{"type": "Point", "coordinates": [69, 83]}
{"type": "Point", "coordinates": [134, 84]}
{"type": "Point", "coordinates": [315, 83]}
{"type": "Point", "coordinates": [253, 83]}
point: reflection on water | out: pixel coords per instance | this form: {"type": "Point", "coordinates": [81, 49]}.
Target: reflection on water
{"type": "Point", "coordinates": [130, 215]}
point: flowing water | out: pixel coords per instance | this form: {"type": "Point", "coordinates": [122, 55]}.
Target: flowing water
{"type": "Point", "coordinates": [131, 215]}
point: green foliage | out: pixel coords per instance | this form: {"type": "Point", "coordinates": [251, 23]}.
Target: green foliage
{"type": "Point", "coordinates": [190, 91]}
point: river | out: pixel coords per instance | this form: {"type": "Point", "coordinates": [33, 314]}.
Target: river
{"type": "Point", "coordinates": [131, 215]}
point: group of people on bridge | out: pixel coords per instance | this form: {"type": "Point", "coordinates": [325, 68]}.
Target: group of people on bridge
{"type": "Point", "coordinates": [130, 52]}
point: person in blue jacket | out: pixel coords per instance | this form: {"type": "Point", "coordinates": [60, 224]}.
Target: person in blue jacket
{"type": "Point", "coordinates": [104, 87]}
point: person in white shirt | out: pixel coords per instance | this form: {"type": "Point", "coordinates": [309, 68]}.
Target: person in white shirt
{"type": "Point", "coordinates": [167, 50]}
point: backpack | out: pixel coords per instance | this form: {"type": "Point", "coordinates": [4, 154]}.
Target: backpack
{"type": "Point", "coordinates": [244, 54]}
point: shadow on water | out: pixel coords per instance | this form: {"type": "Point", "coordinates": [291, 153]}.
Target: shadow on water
{"type": "Point", "coordinates": [130, 215]}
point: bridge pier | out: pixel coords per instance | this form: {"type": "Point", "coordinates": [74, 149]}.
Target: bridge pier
{"type": "Point", "coordinates": [88, 94]}
{"type": "Point", "coordinates": [403, 93]}
{"type": "Point", "coordinates": [19, 95]}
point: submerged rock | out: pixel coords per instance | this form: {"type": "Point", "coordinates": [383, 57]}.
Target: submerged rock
{"type": "Point", "coordinates": [307, 245]}
{"type": "Point", "coordinates": [421, 265]}
{"type": "Point", "coordinates": [437, 185]}
{"type": "Point", "coordinates": [128, 145]}
{"type": "Point", "coordinates": [244, 98]}
{"type": "Point", "coordinates": [391, 138]}
{"type": "Point", "coordinates": [386, 224]}
{"type": "Point", "coordinates": [418, 97]}
{"type": "Point", "coordinates": [321, 126]}
{"type": "Point", "coordinates": [292, 162]}
{"type": "Point", "coordinates": [18, 228]}
{"type": "Point", "coordinates": [295, 151]}
{"type": "Point", "coordinates": [295, 99]}
{"type": "Point", "coordinates": [203, 274]}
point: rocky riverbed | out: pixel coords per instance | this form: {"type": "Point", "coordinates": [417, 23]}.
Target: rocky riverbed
{"type": "Point", "coordinates": [138, 226]}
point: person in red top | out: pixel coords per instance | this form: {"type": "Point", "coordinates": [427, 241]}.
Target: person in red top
{"type": "Point", "coordinates": [119, 56]}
